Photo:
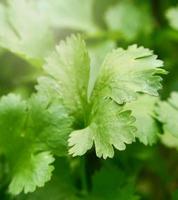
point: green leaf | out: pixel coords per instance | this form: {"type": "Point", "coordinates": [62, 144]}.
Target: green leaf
{"type": "Point", "coordinates": [110, 126]}
{"type": "Point", "coordinates": [24, 30]}
{"type": "Point", "coordinates": [130, 27]}
{"type": "Point", "coordinates": [110, 183]}
{"type": "Point", "coordinates": [143, 110]}
{"type": "Point", "coordinates": [71, 14]}
{"type": "Point", "coordinates": [97, 116]}
{"type": "Point", "coordinates": [69, 67]}
{"type": "Point", "coordinates": [169, 140]}
{"type": "Point", "coordinates": [48, 125]}
{"type": "Point", "coordinates": [60, 187]}
{"type": "Point", "coordinates": [31, 172]}
{"type": "Point", "coordinates": [97, 54]}
{"type": "Point", "coordinates": [124, 73]}
{"type": "Point", "coordinates": [29, 131]}
{"type": "Point", "coordinates": [172, 16]}
{"type": "Point", "coordinates": [167, 113]}
{"type": "Point", "coordinates": [12, 119]}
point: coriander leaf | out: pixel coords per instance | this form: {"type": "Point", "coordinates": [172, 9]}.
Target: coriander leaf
{"type": "Point", "coordinates": [124, 73]}
{"type": "Point", "coordinates": [24, 30]}
{"type": "Point", "coordinates": [71, 14]}
{"type": "Point", "coordinates": [169, 140]}
{"type": "Point", "coordinates": [117, 186]}
{"type": "Point", "coordinates": [172, 16]}
{"type": "Point", "coordinates": [12, 119]}
{"type": "Point", "coordinates": [69, 66]}
{"type": "Point", "coordinates": [143, 110]}
{"type": "Point", "coordinates": [98, 117]}
{"type": "Point", "coordinates": [110, 126]}
{"type": "Point", "coordinates": [129, 27]}
{"type": "Point", "coordinates": [29, 132]}
{"type": "Point", "coordinates": [167, 113]}
{"type": "Point", "coordinates": [80, 141]}
{"type": "Point", "coordinates": [48, 125]}
{"type": "Point", "coordinates": [60, 187]}
{"type": "Point", "coordinates": [97, 53]}
{"type": "Point", "coordinates": [49, 89]}
{"type": "Point", "coordinates": [31, 172]}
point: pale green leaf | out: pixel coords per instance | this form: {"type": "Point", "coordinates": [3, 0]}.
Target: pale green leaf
{"type": "Point", "coordinates": [80, 141]}
{"type": "Point", "coordinates": [167, 112]}
{"type": "Point", "coordinates": [143, 110]}
{"type": "Point", "coordinates": [97, 54]}
{"type": "Point", "coordinates": [124, 73]}
{"type": "Point", "coordinates": [60, 187]}
{"type": "Point", "coordinates": [69, 66]}
{"type": "Point", "coordinates": [169, 140]}
{"type": "Point", "coordinates": [71, 14]}
{"type": "Point", "coordinates": [24, 30]}
{"type": "Point", "coordinates": [128, 27]}
{"type": "Point", "coordinates": [110, 126]}
{"type": "Point", "coordinates": [31, 172]}
{"type": "Point", "coordinates": [172, 16]}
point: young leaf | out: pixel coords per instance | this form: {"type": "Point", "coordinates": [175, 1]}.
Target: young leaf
{"type": "Point", "coordinates": [69, 66]}
{"type": "Point", "coordinates": [97, 53]}
{"type": "Point", "coordinates": [110, 126]}
{"type": "Point", "coordinates": [29, 131]}
{"type": "Point", "coordinates": [130, 27]}
{"type": "Point", "coordinates": [143, 110]}
{"type": "Point", "coordinates": [98, 118]}
{"type": "Point", "coordinates": [24, 30]}
{"type": "Point", "coordinates": [124, 73]}
{"type": "Point", "coordinates": [167, 113]}
{"type": "Point", "coordinates": [71, 14]}
{"type": "Point", "coordinates": [60, 187]}
{"type": "Point", "coordinates": [32, 171]}
{"type": "Point", "coordinates": [48, 125]}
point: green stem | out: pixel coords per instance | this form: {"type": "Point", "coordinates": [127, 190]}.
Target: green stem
{"type": "Point", "coordinates": [83, 176]}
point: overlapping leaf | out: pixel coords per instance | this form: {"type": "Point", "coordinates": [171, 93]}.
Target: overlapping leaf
{"type": "Point", "coordinates": [167, 113]}
{"type": "Point", "coordinates": [70, 14]}
{"type": "Point", "coordinates": [99, 120]}
{"type": "Point", "coordinates": [24, 30]}
{"type": "Point", "coordinates": [143, 110]}
{"type": "Point", "coordinates": [124, 73]}
{"type": "Point", "coordinates": [31, 130]}
{"type": "Point", "coordinates": [117, 186]}
{"type": "Point", "coordinates": [129, 27]}
{"type": "Point", "coordinates": [60, 187]}
{"type": "Point", "coordinates": [69, 68]}
{"type": "Point", "coordinates": [110, 126]}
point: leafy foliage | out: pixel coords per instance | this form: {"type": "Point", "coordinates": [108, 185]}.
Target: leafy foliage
{"type": "Point", "coordinates": [85, 86]}
{"type": "Point", "coordinates": [165, 111]}
{"type": "Point", "coordinates": [71, 14]}
{"type": "Point", "coordinates": [128, 27]}
{"type": "Point", "coordinates": [33, 128]}
{"type": "Point", "coordinates": [21, 28]}
{"type": "Point", "coordinates": [143, 111]}
{"type": "Point", "coordinates": [172, 16]}
{"type": "Point", "coordinates": [99, 112]}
